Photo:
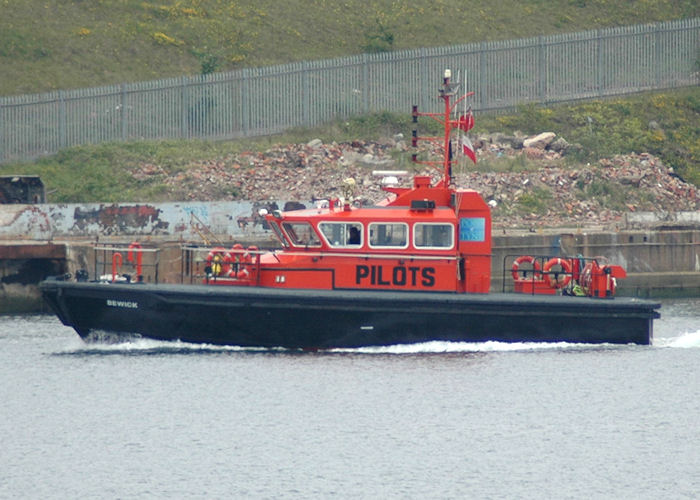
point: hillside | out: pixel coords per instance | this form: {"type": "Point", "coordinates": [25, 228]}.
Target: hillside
{"type": "Point", "coordinates": [50, 44]}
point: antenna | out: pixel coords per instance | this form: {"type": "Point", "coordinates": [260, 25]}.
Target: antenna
{"type": "Point", "coordinates": [447, 91]}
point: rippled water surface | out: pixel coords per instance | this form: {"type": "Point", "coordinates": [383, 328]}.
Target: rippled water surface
{"type": "Point", "coordinates": [436, 420]}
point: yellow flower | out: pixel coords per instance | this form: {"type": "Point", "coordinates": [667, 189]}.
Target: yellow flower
{"type": "Point", "coordinates": [164, 39]}
{"type": "Point", "coordinates": [188, 11]}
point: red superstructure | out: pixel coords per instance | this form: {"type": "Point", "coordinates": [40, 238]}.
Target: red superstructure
{"type": "Point", "coordinates": [426, 237]}
{"type": "Point", "coordinates": [429, 237]}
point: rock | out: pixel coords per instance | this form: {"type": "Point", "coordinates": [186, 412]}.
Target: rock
{"type": "Point", "coordinates": [533, 153]}
{"type": "Point", "coordinates": [631, 180]}
{"type": "Point", "coordinates": [539, 141]}
{"type": "Point", "coordinates": [559, 145]}
{"type": "Point", "coordinates": [512, 141]}
{"type": "Point", "coordinates": [497, 138]}
{"type": "Point", "coordinates": [370, 161]}
{"type": "Point", "coordinates": [480, 141]}
{"type": "Point", "coordinates": [315, 144]}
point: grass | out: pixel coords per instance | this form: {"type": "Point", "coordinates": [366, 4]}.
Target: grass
{"type": "Point", "coordinates": [666, 124]}
{"type": "Point", "coordinates": [536, 201]}
{"type": "Point", "coordinates": [621, 125]}
{"type": "Point", "coordinates": [51, 44]}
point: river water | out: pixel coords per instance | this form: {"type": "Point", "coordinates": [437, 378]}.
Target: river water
{"type": "Point", "coordinates": [439, 420]}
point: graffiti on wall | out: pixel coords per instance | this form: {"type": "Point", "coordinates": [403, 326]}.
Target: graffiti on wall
{"type": "Point", "coordinates": [176, 220]}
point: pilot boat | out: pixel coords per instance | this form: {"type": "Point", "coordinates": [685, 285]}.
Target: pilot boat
{"type": "Point", "coordinates": [414, 268]}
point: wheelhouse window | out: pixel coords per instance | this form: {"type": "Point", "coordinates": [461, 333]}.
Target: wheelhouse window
{"type": "Point", "coordinates": [279, 234]}
{"type": "Point", "coordinates": [433, 235]}
{"type": "Point", "coordinates": [388, 235]}
{"type": "Point", "coordinates": [301, 234]}
{"type": "Point", "coordinates": [342, 234]}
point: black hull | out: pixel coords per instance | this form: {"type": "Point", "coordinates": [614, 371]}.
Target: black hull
{"type": "Point", "coordinates": [265, 317]}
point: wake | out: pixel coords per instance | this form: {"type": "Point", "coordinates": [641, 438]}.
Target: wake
{"type": "Point", "coordinates": [687, 340]}
{"type": "Point", "coordinates": [149, 347]}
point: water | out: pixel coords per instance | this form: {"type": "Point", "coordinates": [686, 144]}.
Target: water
{"type": "Point", "coordinates": [439, 420]}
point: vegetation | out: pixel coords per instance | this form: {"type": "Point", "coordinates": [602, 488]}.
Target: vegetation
{"type": "Point", "coordinates": [52, 44]}
{"type": "Point", "coordinates": [666, 124]}
{"type": "Point", "coordinates": [620, 125]}
{"type": "Point", "coordinates": [536, 201]}
{"type": "Point", "coordinates": [49, 44]}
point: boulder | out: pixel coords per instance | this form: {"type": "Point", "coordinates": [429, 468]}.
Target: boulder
{"type": "Point", "coordinates": [514, 142]}
{"type": "Point", "coordinates": [539, 141]}
{"type": "Point", "coordinates": [560, 145]}
{"type": "Point", "coordinates": [314, 144]}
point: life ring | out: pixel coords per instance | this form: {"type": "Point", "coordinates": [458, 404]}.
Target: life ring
{"type": "Point", "coordinates": [251, 253]}
{"type": "Point", "coordinates": [557, 279]}
{"type": "Point", "coordinates": [218, 259]}
{"type": "Point", "coordinates": [241, 260]}
{"type": "Point", "coordinates": [521, 260]}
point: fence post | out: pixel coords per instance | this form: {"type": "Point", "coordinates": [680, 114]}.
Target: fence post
{"type": "Point", "coordinates": [482, 76]}
{"type": "Point", "coordinates": [424, 80]}
{"type": "Point", "coordinates": [245, 104]}
{"type": "Point", "coordinates": [62, 124]}
{"type": "Point", "coordinates": [600, 81]}
{"type": "Point", "coordinates": [365, 83]}
{"type": "Point", "coordinates": [184, 92]}
{"type": "Point", "coordinates": [542, 69]}
{"type": "Point", "coordinates": [658, 72]}
{"type": "Point", "coordinates": [305, 93]}
{"type": "Point", "coordinates": [123, 110]}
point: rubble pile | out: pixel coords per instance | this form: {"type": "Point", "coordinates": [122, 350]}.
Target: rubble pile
{"type": "Point", "coordinates": [554, 196]}
{"type": "Point", "coordinates": [546, 193]}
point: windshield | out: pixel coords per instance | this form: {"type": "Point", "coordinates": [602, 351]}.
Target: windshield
{"type": "Point", "coordinates": [302, 234]}
{"type": "Point", "coordinates": [279, 234]}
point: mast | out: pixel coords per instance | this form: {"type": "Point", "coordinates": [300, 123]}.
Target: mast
{"type": "Point", "coordinates": [447, 91]}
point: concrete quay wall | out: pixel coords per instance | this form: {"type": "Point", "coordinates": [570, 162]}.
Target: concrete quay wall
{"type": "Point", "coordinates": [661, 252]}
{"type": "Point", "coordinates": [659, 263]}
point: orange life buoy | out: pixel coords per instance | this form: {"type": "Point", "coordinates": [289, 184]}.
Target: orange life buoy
{"type": "Point", "coordinates": [521, 260]}
{"type": "Point", "coordinates": [557, 279]}
{"type": "Point", "coordinates": [241, 260]}
{"type": "Point", "coordinates": [251, 253]}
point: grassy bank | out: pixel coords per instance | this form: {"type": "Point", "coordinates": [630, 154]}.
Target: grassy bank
{"type": "Point", "coordinates": [51, 44]}
{"type": "Point", "coordinates": [666, 124]}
